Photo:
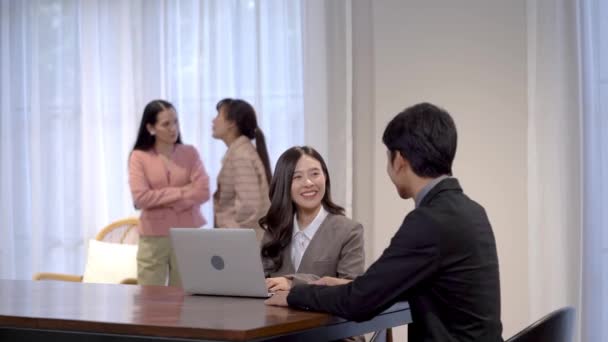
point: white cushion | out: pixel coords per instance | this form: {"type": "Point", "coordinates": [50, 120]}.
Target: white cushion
{"type": "Point", "coordinates": [110, 263]}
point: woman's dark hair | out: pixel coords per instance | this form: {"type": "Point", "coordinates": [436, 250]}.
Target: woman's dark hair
{"type": "Point", "coordinates": [278, 222]}
{"type": "Point", "coordinates": [145, 140]}
{"type": "Point", "coordinates": [426, 136]}
{"type": "Point", "coordinates": [243, 114]}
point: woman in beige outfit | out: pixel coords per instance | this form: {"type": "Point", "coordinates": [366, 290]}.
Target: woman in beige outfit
{"type": "Point", "coordinates": [241, 198]}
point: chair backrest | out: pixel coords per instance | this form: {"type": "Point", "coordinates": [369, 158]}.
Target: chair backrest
{"type": "Point", "coordinates": [119, 232]}
{"type": "Point", "coordinates": [557, 326]}
{"type": "Point", "coordinates": [122, 231]}
{"type": "Point", "coordinates": [385, 335]}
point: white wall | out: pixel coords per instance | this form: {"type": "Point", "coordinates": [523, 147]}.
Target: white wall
{"type": "Point", "coordinates": [469, 57]}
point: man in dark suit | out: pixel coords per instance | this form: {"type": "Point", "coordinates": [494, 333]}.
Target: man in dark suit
{"type": "Point", "coordinates": [443, 257]}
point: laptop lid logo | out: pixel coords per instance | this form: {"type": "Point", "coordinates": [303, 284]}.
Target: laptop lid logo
{"type": "Point", "coordinates": [217, 262]}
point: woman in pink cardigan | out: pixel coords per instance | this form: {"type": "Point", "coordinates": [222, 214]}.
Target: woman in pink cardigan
{"type": "Point", "coordinates": [168, 183]}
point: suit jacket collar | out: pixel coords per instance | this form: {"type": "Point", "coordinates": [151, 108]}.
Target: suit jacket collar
{"type": "Point", "coordinates": [427, 188]}
{"type": "Point", "coordinates": [317, 242]}
{"type": "Point", "coordinates": [447, 184]}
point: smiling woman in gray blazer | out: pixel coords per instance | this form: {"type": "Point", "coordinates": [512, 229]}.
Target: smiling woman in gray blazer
{"type": "Point", "coordinates": [306, 235]}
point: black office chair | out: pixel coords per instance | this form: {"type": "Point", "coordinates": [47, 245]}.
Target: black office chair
{"type": "Point", "coordinates": [557, 326]}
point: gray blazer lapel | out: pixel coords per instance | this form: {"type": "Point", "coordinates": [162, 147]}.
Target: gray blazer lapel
{"type": "Point", "coordinates": [287, 267]}
{"type": "Point", "coordinates": [317, 246]}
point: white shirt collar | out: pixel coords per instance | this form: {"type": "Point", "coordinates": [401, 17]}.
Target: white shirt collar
{"type": "Point", "coordinates": [312, 228]}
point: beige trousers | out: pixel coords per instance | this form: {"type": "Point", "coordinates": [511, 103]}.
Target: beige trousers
{"type": "Point", "coordinates": [155, 261]}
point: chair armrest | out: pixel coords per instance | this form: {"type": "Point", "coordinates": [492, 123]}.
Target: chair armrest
{"type": "Point", "coordinates": [57, 276]}
{"type": "Point", "coordinates": [129, 281]}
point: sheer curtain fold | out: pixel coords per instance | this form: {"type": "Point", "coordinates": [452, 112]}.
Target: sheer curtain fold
{"type": "Point", "coordinates": [75, 77]}
{"type": "Point", "coordinates": [568, 91]}
{"type": "Point", "coordinates": [328, 99]}
{"type": "Point", "coordinates": [594, 315]}
{"type": "Point", "coordinates": [554, 147]}
{"type": "Point", "coordinates": [7, 205]}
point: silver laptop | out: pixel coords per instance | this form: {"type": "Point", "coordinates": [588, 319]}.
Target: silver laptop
{"type": "Point", "coordinates": [224, 262]}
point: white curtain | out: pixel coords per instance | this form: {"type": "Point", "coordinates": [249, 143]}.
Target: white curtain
{"type": "Point", "coordinates": [74, 79]}
{"type": "Point", "coordinates": [568, 161]}
{"type": "Point", "coordinates": [327, 40]}
{"type": "Point", "coordinates": [554, 176]}
{"type": "Point", "coordinates": [594, 315]}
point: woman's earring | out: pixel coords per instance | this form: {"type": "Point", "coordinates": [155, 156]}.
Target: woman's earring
{"type": "Point", "coordinates": [152, 133]}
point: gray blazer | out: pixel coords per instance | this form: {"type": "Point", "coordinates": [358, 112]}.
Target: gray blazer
{"type": "Point", "coordinates": [336, 250]}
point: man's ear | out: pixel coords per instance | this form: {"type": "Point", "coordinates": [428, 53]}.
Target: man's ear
{"type": "Point", "coordinates": [399, 162]}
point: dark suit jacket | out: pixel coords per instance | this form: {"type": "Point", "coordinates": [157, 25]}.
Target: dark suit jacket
{"type": "Point", "coordinates": [336, 250]}
{"type": "Point", "coordinates": [442, 260]}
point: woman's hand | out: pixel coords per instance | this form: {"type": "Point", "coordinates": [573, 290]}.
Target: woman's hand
{"type": "Point", "coordinates": [186, 190]}
{"type": "Point", "coordinates": [278, 299]}
{"type": "Point", "coordinates": [278, 284]}
{"type": "Point", "coordinates": [330, 281]}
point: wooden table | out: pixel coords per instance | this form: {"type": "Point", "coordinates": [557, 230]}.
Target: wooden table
{"type": "Point", "coordinates": [62, 311]}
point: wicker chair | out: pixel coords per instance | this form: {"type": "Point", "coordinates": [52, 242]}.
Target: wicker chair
{"type": "Point", "coordinates": [122, 231]}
